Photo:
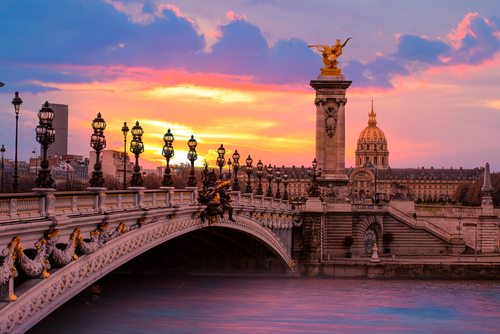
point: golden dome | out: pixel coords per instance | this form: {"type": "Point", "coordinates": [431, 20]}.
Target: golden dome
{"type": "Point", "coordinates": [372, 133]}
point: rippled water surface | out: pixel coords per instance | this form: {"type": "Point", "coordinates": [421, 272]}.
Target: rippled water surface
{"type": "Point", "coordinates": [200, 304]}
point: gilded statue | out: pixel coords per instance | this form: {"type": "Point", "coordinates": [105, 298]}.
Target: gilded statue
{"type": "Point", "coordinates": [330, 55]}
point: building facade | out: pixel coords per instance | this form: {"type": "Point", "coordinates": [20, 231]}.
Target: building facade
{"type": "Point", "coordinates": [112, 164]}
{"type": "Point", "coordinates": [372, 172]}
{"type": "Point", "coordinates": [60, 124]}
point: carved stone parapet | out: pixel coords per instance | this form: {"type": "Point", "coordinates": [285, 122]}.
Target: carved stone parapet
{"type": "Point", "coordinates": [169, 195]}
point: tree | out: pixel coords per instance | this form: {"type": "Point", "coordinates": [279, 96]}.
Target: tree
{"type": "Point", "coordinates": [112, 183]}
{"type": "Point", "coordinates": [471, 194]}
{"type": "Point", "coordinates": [460, 194]}
{"type": "Point", "coordinates": [152, 181]}
{"type": "Point", "coordinates": [180, 174]}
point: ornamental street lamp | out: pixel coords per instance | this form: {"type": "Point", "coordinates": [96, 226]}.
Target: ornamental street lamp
{"type": "Point", "coordinates": [459, 236]}
{"type": "Point", "coordinates": [236, 167]}
{"type": "Point", "coordinates": [67, 174]}
{"type": "Point", "coordinates": [192, 157]}
{"type": "Point", "coordinates": [2, 150]}
{"type": "Point", "coordinates": [168, 153]}
{"type": "Point", "coordinates": [248, 170]}
{"type": "Point", "coordinates": [278, 181]}
{"type": "Point", "coordinates": [125, 130]}
{"type": "Point", "coordinates": [98, 143]}
{"type": "Point", "coordinates": [45, 135]}
{"type": "Point", "coordinates": [285, 183]}
{"type": "Point", "coordinates": [315, 172]}
{"type": "Point", "coordinates": [137, 147]}
{"type": "Point", "coordinates": [269, 176]}
{"type": "Point", "coordinates": [221, 162]}
{"type": "Point", "coordinates": [17, 106]}
{"type": "Point", "coordinates": [260, 192]}
{"type": "Point", "coordinates": [36, 159]}
{"type": "Point", "coordinates": [229, 163]}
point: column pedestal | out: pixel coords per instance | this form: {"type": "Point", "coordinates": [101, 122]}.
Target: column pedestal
{"type": "Point", "coordinates": [330, 131]}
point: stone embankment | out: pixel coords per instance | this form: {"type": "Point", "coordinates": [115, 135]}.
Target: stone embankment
{"type": "Point", "coordinates": [486, 268]}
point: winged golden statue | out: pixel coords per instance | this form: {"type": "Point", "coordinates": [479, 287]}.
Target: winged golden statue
{"type": "Point", "coordinates": [330, 55]}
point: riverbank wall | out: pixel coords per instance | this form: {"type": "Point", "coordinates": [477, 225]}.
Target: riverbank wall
{"type": "Point", "coordinates": [462, 271]}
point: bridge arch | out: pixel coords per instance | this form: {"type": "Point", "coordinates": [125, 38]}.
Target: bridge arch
{"type": "Point", "coordinates": [38, 299]}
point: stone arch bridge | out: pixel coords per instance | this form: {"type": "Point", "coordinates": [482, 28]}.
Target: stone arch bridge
{"type": "Point", "coordinates": [108, 229]}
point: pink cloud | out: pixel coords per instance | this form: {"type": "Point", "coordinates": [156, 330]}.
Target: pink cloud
{"type": "Point", "coordinates": [214, 34]}
{"type": "Point", "coordinates": [234, 17]}
{"type": "Point", "coordinates": [457, 35]}
{"type": "Point", "coordinates": [174, 9]}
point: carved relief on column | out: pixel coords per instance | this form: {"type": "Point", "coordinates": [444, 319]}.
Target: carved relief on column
{"type": "Point", "coordinates": [331, 112]}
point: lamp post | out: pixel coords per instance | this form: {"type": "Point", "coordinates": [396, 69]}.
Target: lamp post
{"type": "Point", "coordinates": [269, 176]}
{"type": "Point", "coordinates": [278, 181]}
{"type": "Point", "coordinates": [285, 183]}
{"type": "Point", "coordinates": [459, 230]}
{"type": "Point", "coordinates": [236, 167]}
{"type": "Point", "coordinates": [98, 143]}
{"type": "Point", "coordinates": [45, 135]}
{"type": "Point", "coordinates": [260, 192]}
{"type": "Point", "coordinates": [315, 172]}
{"type": "Point", "coordinates": [229, 163]}
{"type": "Point", "coordinates": [36, 159]}
{"type": "Point", "coordinates": [221, 162]}
{"type": "Point", "coordinates": [67, 174]}
{"type": "Point", "coordinates": [2, 150]}
{"type": "Point", "coordinates": [137, 147]}
{"type": "Point", "coordinates": [248, 170]}
{"type": "Point", "coordinates": [125, 130]}
{"type": "Point", "coordinates": [168, 153]}
{"type": "Point", "coordinates": [17, 106]}
{"type": "Point", "coordinates": [192, 157]}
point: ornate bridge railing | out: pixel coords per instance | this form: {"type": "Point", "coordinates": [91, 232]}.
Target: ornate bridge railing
{"type": "Point", "coordinates": [27, 206]}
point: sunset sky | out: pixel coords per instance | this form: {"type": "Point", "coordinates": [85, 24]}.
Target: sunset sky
{"type": "Point", "coordinates": [238, 72]}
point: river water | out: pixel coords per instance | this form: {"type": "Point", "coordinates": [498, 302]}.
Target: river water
{"type": "Point", "coordinates": [208, 304]}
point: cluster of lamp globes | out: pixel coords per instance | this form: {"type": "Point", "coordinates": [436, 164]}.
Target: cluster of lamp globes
{"type": "Point", "coordinates": [45, 135]}
{"type": "Point", "coordinates": [98, 143]}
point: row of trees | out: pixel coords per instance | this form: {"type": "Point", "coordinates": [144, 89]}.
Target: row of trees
{"type": "Point", "coordinates": [472, 195]}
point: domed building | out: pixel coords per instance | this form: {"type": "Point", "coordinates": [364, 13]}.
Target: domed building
{"type": "Point", "coordinates": [372, 175]}
{"type": "Point", "coordinates": [372, 145]}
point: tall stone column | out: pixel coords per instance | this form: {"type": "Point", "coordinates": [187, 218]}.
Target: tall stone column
{"type": "Point", "coordinates": [330, 129]}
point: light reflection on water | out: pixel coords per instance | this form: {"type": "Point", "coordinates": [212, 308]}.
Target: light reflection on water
{"type": "Point", "coordinates": [196, 304]}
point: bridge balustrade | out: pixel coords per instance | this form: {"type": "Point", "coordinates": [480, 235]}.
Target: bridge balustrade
{"type": "Point", "coordinates": [25, 206]}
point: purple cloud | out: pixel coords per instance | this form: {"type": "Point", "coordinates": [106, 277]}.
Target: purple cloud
{"type": "Point", "coordinates": [473, 42]}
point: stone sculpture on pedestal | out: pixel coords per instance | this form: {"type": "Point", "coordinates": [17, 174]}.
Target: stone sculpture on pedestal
{"type": "Point", "coordinates": [330, 103]}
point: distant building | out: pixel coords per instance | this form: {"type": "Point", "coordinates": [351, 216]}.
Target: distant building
{"type": "Point", "coordinates": [112, 164]}
{"type": "Point", "coordinates": [373, 173]}
{"type": "Point", "coordinates": [60, 124]}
